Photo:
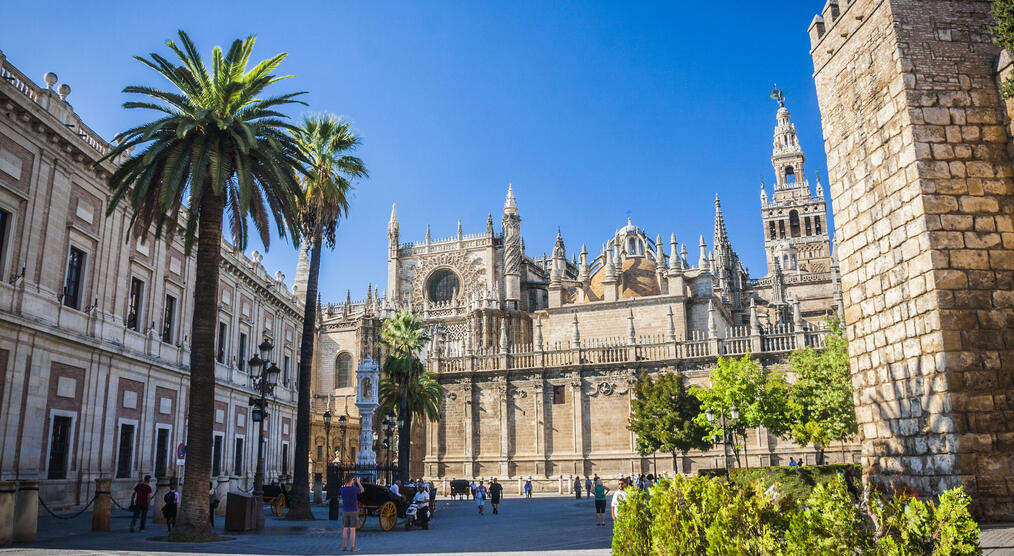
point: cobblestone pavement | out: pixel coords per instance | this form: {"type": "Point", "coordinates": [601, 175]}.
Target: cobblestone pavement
{"type": "Point", "coordinates": [547, 524]}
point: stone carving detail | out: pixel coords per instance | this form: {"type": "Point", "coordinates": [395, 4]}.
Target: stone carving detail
{"type": "Point", "coordinates": [469, 271]}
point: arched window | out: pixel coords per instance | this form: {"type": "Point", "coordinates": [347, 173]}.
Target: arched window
{"type": "Point", "coordinates": [794, 223]}
{"type": "Point", "coordinates": [443, 285]}
{"type": "Point", "coordinates": [790, 174]}
{"type": "Point", "coordinates": [343, 371]}
{"type": "Point", "coordinates": [816, 220]}
{"type": "Point", "coordinates": [771, 227]}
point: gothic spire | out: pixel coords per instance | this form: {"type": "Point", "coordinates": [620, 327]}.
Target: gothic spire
{"type": "Point", "coordinates": [511, 202]}
{"type": "Point", "coordinates": [489, 224]}
{"type": "Point", "coordinates": [459, 229]}
{"type": "Point", "coordinates": [721, 237]}
{"type": "Point", "coordinates": [559, 251]}
{"type": "Point", "coordinates": [702, 263]}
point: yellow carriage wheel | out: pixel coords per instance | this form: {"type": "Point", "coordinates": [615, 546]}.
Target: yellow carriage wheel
{"type": "Point", "coordinates": [278, 506]}
{"type": "Point", "coordinates": [363, 512]}
{"type": "Point", "coordinates": [388, 516]}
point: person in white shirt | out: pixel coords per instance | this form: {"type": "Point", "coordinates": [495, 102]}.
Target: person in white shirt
{"type": "Point", "coordinates": [422, 496]}
{"type": "Point", "coordinates": [396, 488]}
{"type": "Point", "coordinates": [618, 496]}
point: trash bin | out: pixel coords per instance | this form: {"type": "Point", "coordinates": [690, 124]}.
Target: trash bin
{"type": "Point", "coordinates": [240, 512]}
{"type": "Point", "coordinates": [334, 508]}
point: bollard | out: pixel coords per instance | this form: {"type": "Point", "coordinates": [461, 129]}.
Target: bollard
{"type": "Point", "coordinates": [102, 505]}
{"type": "Point", "coordinates": [26, 511]}
{"type": "Point", "coordinates": [318, 488]}
{"type": "Point", "coordinates": [222, 491]}
{"type": "Point", "coordinates": [6, 512]}
{"type": "Point", "coordinates": [158, 500]}
{"type": "Point", "coordinates": [559, 484]}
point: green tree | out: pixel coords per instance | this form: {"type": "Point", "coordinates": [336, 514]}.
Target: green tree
{"type": "Point", "coordinates": [820, 402]}
{"type": "Point", "coordinates": [325, 142]}
{"type": "Point", "coordinates": [1003, 36]}
{"type": "Point", "coordinates": [217, 144]}
{"type": "Point", "coordinates": [663, 416]}
{"type": "Point", "coordinates": [406, 387]}
{"type": "Point", "coordinates": [760, 395]}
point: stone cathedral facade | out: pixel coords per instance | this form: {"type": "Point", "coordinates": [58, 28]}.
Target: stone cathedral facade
{"type": "Point", "coordinates": [537, 355]}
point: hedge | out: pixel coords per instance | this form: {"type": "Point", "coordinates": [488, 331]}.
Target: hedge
{"type": "Point", "coordinates": [797, 482]}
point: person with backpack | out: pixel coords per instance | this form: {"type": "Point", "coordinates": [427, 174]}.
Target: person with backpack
{"type": "Point", "coordinates": [528, 488]}
{"type": "Point", "coordinates": [139, 501]}
{"type": "Point", "coordinates": [172, 504]}
{"type": "Point", "coordinates": [600, 502]}
{"type": "Point", "coordinates": [480, 497]}
{"type": "Point", "coordinates": [587, 486]}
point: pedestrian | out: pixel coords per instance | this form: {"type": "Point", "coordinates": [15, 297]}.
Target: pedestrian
{"type": "Point", "coordinates": [588, 486]}
{"type": "Point", "coordinates": [172, 504]}
{"type": "Point", "coordinates": [139, 500]}
{"type": "Point", "coordinates": [619, 496]}
{"type": "Point", "coordinates": [600, 502]}
{"type": "Point", "coordinates": [528, 488]}
{"type": "Point", "coordinates": [471, 487]}
{"type": "Point", "coordinates": [577, 488]}
{"type": "Point", "coordinates": [396, 488]}
{"type": "Point", "coordinates": [212, 504]}
{"type": "Point", "coordinates": [480, 497]}
{"type": "Point", "coordinates": [792, 462]}
{"type": "Point", "coordinates": [495, 491]}
{"type": "Point", "coordinates": [350, 512]}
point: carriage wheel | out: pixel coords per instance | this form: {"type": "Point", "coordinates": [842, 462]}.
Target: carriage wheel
{"type": "Point", "coordinates": [388, 516]}
{"type": "Point", "coordinates": [278, 506]}
{"type": "Point", "coordinates": [363, 512]}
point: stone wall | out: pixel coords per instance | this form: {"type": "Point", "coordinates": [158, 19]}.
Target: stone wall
{"type": "Point", "coordinates": [921, 186]}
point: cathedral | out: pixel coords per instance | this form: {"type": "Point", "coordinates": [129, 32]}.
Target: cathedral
{"type": "Point", "coordinates": [537, 355]}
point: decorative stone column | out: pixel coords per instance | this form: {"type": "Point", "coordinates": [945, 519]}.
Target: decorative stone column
{"type": "Point", "coordinates": [318, 488]}
{"type": "Point", "coordinates": [157, 500]}
{"type": "Point", "coordinates": [368, 379]}
{"type": "Point", "coordinates": [102, 505]}
{"type": "Point", "coordinates": [7, 490]}
{"type": "Point", "coordinates": [26, 511]}
{"type": "Point", "coordinates": [222, 491]}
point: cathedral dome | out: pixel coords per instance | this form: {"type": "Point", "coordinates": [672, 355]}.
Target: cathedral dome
{"type": "Point", "coordinates": [637, 276]}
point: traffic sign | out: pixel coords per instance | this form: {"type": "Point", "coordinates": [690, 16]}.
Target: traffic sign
{"type": "Point", "coordinates": [181, 453]}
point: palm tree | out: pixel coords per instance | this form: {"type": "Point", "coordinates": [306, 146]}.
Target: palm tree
{"type": "Point", "coordinates": [407, 387]}
{"type": "Point", "coordinates": [217, 145]}
{"type": "Point", "coordinates": [324, 140]}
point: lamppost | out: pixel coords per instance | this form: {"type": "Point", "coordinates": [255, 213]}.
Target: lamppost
{"type": "Point", "coordinates": [264, 383]}
{"type": "Point", "coordinates": [343, 425]}
{"type": "Point", "coordinates": [734, 414]}
{"type": "Point", "coordinates": [327, 439]}
{"type": "Point", "coordinates": [389, 424]}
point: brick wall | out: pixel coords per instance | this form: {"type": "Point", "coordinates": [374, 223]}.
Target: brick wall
{"type": "Point", "coordinates": [921, 187]}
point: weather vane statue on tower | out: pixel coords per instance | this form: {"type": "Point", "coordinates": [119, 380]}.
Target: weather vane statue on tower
{"type": "Point", "coordinates": [776, 94]}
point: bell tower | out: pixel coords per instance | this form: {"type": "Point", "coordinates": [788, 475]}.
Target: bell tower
{"type": "Point", "coordinates": [794, 217]}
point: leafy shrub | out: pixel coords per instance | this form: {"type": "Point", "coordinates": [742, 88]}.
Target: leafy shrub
{"type": "Point", "coordinates": [795, 482]}
{"type": "Point", "coordinates": [631, 530]}
{"type": "Point", "coordinates": [704, 515]}
{"type": "Point", "coordinates": [828, 523]}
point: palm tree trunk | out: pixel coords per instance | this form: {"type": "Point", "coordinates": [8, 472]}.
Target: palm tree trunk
{"type": "Point", "coordinates": [404, 440]}
{"type": "Point", "coordinates": [193, 522]}
{"type": "Point", "coordinates": [299, 504]}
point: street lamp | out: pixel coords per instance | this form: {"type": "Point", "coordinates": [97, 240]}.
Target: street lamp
{"type": "Point", "coordinates": [734, 414]}
{"type": "Point", "coordinates": [342, 424]}
{"type": "Point", "coordinates": [389, 424]}
{"type": "Point", "coordinates": [265, 378]}
{"type": "Point", "coordinates": [327, 438]}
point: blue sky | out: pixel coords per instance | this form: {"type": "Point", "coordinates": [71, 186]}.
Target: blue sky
{"type": "Point", "coordinates": [594, 111]}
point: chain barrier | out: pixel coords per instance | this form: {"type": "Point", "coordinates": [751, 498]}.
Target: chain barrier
{"type": "Point", "coordinates": [117, 504]}
{"type": "Point", "coordinates": [52, 513]}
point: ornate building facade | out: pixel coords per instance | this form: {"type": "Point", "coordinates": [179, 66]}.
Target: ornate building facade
{"type": "Point", "coordinates": [95, 325]}
{"type": "Point", "coordinates": [537, 355]}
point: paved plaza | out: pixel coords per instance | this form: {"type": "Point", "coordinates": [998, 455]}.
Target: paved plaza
{"type": "Point", "coordinates": [546, 524]}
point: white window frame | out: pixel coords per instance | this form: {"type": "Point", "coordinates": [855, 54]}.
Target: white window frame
{"type": "Point", "coordinates": [236, 473]}
{"type": "Point", "coordinates": [141, 328]}
{"type": "Point", "coordinates": [288, 453]}
{"type": "Point", "coordinates": [5, 254]}
{"type": "Point", "coordinates": [70, 443]}
{"type": "Point", "coordinates": [170, 456]}
{"type": "Point", "coordinates": [133, 445]}
{"type": "Point", "coordinates": [82, 301]}
{"type": "Point", "coordinates": [224, 455]}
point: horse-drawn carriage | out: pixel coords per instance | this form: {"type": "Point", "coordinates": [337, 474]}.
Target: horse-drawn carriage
{"type": "Point", "coordinates": [460, 487]}
{"type": "Point", "coordinates": [380, 501]}
{"type": "Point", "coordinates": [276, 497]}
